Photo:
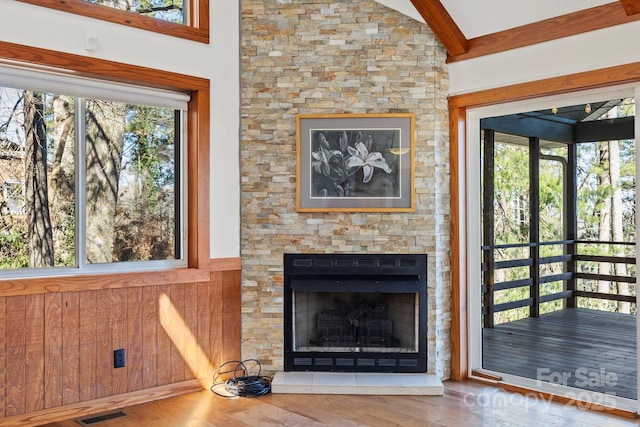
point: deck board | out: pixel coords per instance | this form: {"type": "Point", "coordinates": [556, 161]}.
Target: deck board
{"type": "Point", "coordinates": [580, 342]}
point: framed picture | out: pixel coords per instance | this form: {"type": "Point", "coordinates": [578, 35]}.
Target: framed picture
{"type": "Point", "coordinates": [354, 162]}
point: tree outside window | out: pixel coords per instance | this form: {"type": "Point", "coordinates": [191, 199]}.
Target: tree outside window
{"type": "Point", "coordinates": [100, 181]}
{"type": "Point", "coordinates": [165, 10]}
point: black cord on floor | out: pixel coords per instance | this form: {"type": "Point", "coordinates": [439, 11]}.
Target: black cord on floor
{"type": "Point", "coordinates": [240, 386]}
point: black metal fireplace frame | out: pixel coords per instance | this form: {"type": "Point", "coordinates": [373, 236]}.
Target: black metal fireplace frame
{"type": "Point", "coordinates": [404, 273]}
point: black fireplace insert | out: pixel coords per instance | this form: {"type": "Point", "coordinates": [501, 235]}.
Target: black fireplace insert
{"type": "Point", "coordinates": [355, 312]}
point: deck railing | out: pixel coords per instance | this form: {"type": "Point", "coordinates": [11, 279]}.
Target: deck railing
{"type": "Point", "coordinates": [536, 273]}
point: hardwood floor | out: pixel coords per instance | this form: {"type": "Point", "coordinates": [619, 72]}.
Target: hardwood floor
{"type": "Point", "coordinates": [576, 342]}
{"type": "Point", "coordinates": [464, 404]}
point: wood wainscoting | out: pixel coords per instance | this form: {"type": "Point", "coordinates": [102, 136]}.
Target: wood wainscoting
{"type": "Point", "coordinates": [56, 347]}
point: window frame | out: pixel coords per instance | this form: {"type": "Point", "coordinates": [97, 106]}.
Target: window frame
{"type": "Point", "coordinates": [196, 29]}
{"type": "Point", "coordinates": [196, 176]}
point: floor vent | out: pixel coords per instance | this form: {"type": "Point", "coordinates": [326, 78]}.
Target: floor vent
{"type": "Point", "coordinates": [101, 418]}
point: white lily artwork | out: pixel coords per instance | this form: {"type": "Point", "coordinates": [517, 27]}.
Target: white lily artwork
{"type": "Point", "coordinates": [355, 162]}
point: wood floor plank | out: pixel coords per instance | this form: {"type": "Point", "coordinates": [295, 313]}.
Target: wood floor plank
{"type": "Point", "coordinates": [466, 404]}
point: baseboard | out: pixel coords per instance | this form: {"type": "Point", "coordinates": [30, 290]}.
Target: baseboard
{"type": "Point", "coordinates": [110, 403]}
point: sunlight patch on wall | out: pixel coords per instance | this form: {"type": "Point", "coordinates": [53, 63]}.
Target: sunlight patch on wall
{"type": "Point", "coordinates": [184, 340]}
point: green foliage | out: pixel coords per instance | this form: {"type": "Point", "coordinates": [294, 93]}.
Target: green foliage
{"type": "Point", "coordinates": [145, 212]}
{"type": "Point", "coordinates": [149, 149]}
{"type": "Point", "coordinates": [166, 10]}
{"type": "Point", "coordinates": [511, 196]}
{"type": "Point", "coordinates": [13, 245]}
{"type": "Point", "coordinates": [511, 210]}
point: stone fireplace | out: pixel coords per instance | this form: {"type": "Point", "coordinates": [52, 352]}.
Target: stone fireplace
{"type": "Point", "coordinates": [318, 57]}
{"type": "Point", "coordinates": [355, 312]}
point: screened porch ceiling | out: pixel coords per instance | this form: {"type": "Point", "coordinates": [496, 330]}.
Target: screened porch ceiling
{"type": "Point", "coordinates": [567, 125]}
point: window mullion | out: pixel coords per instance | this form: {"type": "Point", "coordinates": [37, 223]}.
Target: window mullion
{"type": "Point", "coordinates": [81, 183]}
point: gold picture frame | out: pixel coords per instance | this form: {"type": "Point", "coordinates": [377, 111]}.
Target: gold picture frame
{"type": "Point", "coordinates": [355, 162]}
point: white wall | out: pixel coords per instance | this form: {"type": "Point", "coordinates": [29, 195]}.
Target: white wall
{"type": "Point", "coordinates": [590, 51]}
{"type": "Point", "coordinates": [218, 61]}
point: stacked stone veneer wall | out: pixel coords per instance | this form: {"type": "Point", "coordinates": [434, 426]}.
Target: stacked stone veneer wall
{"type": "Point", "coordinates": [308, 56]}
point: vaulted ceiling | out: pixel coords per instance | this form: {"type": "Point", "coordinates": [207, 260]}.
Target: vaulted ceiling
{"type": "Point", "coordinates": [471, 28]}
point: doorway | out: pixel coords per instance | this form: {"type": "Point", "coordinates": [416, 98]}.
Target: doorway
{"type": "Point", "coordinates": [555, 306]}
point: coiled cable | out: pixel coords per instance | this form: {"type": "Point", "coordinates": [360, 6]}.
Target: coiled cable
{"type": "Point", "coordinates": [240, 386]}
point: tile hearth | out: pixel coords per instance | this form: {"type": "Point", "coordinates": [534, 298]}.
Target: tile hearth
{"type": "Point", "coordinates": [357, 383]}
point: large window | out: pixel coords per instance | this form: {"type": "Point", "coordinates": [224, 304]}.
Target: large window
{"type": "Point", "coordinates": [188, 19]}
{"type": "Point", "coordinates": [91, 175]}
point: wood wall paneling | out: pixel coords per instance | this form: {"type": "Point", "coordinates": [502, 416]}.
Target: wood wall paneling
{"type": "Point", "coordinates": [34, 346]}
{"type": "Point", "coordinates": [149, 337]}
{"type": "Point", "coordinates": [56, 349]}
{"type": "Point", "coordinates": [15, 398]}
{"type": "Point", "coordinates": [231, 312]}
{"type": "Point", "coordinates": [119, 338]}
{"type": "Point", "coordinates": [219, 353]}
{"type": "Point", "coordinates": [52, 350]}
{"type": "Point", "coordinates": [88, 345]}
{"type": "Point", "coordinates": [192, 346]}
{"type": "Point", "coordinates": [135, 344]}
{"type": "Point", "coordinates": [104, 346]}
{"type": "Point", "coordinates": [164, 342]}
{"type": "Point", "coordinates": [203, 335]}
{"type": "Point", "coordinates": [177, 333]}
{"type": "Point", "coordinates": [70, 347]}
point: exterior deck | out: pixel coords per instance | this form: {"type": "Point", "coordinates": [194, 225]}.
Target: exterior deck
{"type": "Point", "coordinates": [580, 342]}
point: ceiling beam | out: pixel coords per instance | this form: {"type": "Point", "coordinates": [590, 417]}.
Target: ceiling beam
{"type": "Point", "coordinates": [442, 25]}
{"type": "Point", "coordinates": [631, 7]}
{"type": "Point", "coordinates": [530, 126]}
{"type": "Point", "coordinates": [606, 130]}
{"type": "Point", "coordinates": [579, 22]}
